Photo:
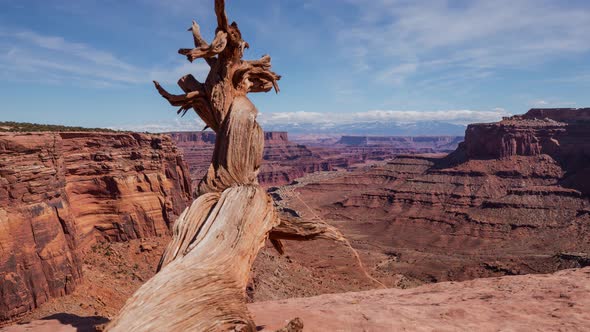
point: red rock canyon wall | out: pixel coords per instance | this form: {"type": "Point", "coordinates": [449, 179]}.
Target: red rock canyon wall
{"type": "Point", "coordinates": [283, 161]}
{"type": "Point", "coordinates": [61, 192]}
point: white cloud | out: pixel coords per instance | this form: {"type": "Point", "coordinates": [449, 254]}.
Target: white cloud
{"type": "Point", "coordinates": [325, 121]}
{"type": "Point", "coordinates": [188, 123]}
{"type": "Point", "coordinates": [398, 73]}
{"type": "Point", "coordinates": [451, 116]}
{"type": "Point", "coordinates": [28, 56]}
{"type": "Point", "coordinates": [78, 50]}
{"type": "Point", "coordinates": [427, 37]}
{"type": "Point", "coordinates": [541, 103]}
{"type": "Point", "coordinates": [294, 117]}
{"type": "Point", "coordinates": [170, 76]}
{"type": "Point", "coordinates": [333, 119]}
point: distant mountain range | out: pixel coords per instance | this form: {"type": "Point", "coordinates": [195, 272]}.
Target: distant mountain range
{"type": "Point", "coordinates": [375, 128]}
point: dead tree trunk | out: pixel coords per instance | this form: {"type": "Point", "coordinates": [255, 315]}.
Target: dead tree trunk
{"type": "Point", "coordinates": [203, 273]}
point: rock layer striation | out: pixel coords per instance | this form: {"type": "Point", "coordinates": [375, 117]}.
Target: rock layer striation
{"type": "Point", "coordinates": [286, 160]}
{"type": "Point", "coordinates": [512, 199]}
{"type": "Point", "coordinates": [60, 193]}
{"type": "Point", "coordinates": [283, 160]}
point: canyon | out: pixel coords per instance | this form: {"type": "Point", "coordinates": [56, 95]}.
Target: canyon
{"type": "Point", "coordinates": [512, 199]}
{"type": "Point", "coordinates": [349, 152]}
{"type": "Point", "coordinates": [285, 160]}
{"type": "Point", "coordinates": [62, 193]}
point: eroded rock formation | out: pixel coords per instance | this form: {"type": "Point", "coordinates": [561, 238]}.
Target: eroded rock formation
{"type": "Point", "coordinates": [562, 134]}
{"type": "Point", "coordinates": [283, 161]}
{"type": "Point", "coordinates": [61, 192]}
{"type": "Point", "coordinates": [286, 160]}
{"type": "Point", "coordinates": [513, 199]}
{"type": "Point", "coordinates": [351, 151]}
{"type": "Point", "coordinates": [197, 148]}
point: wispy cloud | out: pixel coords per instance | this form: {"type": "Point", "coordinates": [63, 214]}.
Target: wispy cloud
{"type": "Point", "coordinates": [29, 55]}
{"type": "Point", "coordinates": [399, 39]}
{"type": "Point", "coordinates": [450, 116]}
{"type": "Point", "coordinates": [187, 123]}
{"type": "Point", "coordinates": [398, 73]}
{"type": "Point", "coordinates": [170, 76]}
{"type": "Point", "coordinates": [77, 50]}
{"type": "Point", "coordinates": [540, 103]}
{"type": "Point", "coordinates": [548, 103]}
{"type": "Point", "coordinates": [325, 121]}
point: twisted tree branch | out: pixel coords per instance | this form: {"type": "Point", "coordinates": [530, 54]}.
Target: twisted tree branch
{"type": "Point", "coordinates": [256, 76]}
{"type": "Point", "coordinates": [178, 100]}
{"type": "Point", "coordinates": [206, 51]}
{"type": "Point", "coordinates": [222, 22]}
{"type": "Point", "coordinates": [200, 42]}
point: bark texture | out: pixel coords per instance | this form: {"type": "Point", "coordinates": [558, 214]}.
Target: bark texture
{"type": "Point", "coordinates": [201, 286]}
{"type": "Point", "coordinates": [203, 273]}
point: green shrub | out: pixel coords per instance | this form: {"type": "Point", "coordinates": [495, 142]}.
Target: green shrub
{"type": "Point", "coordinates": [10, 126]}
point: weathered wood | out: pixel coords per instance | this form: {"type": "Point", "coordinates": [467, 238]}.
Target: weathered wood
{"type": "Point", "coordinates": [201, 287]}
{"type": "Point", "coordinates": [203, 273]}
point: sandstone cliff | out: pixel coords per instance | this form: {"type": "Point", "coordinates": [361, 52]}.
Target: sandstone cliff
{"type": "Point", "coordinates": [553, 302]}
{"type": "Point", "coordinates": [285, 160]}
{"type": "Point", "coordinates": [355, 150]}
{"type": "Point", "coordinates": [562, 134]}
{"type": "Point", "coordinates": [61, 192]}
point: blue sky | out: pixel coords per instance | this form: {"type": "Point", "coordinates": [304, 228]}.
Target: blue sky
{"type": "Point", "coordinates": [91, 62]}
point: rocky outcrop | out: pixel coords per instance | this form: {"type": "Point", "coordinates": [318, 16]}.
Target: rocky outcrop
{"type": "Point", "coordinates": [550, 302]}
{"type": "Point", "coordinates": [276, 137]}
{"type": "Point", "coordinates": [283, 161]}
{"type": "Point", "coordinates": [510, 200]}
{"type": "Point", "coordinates": [194, 137]}
{"type": "Point", "coordinates": [562, 134]}
{"type": "Point", "coordinates": [512, 137]}
{"type": "Point", "coordinates": [355, 150]}
{"type": "Point", "coordinates": [37, 230]}
{"type": "Point", "coordinates": [519, 303]}
{"type": "Point", "coordinates": [197, 148]}
{"type": "Point", "coordinates": [125, 186]}
{"type": "Point", "coordinates": [62, 192]}
{"type": "Point", "coordinates": [567, 115]}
